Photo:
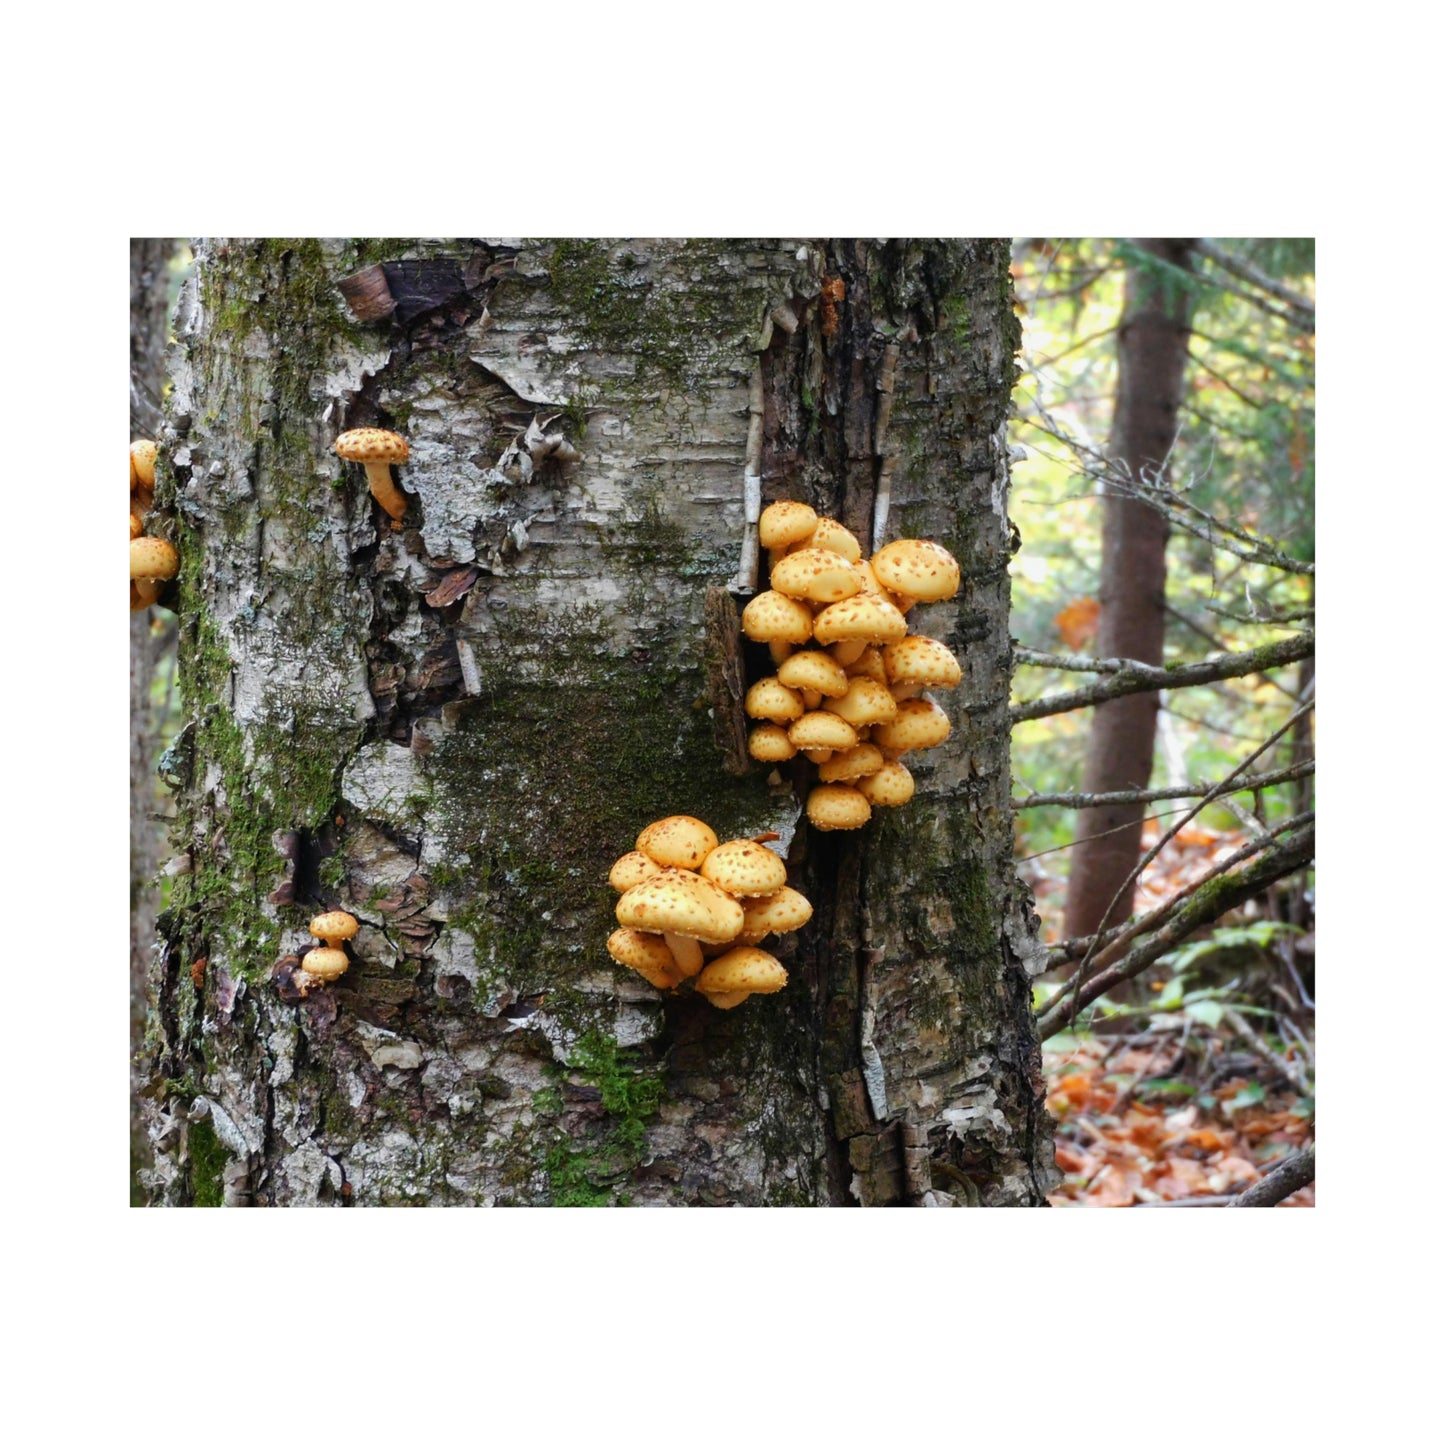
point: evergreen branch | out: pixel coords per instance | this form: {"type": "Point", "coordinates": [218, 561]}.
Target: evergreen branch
{"type": "Point", "coordinates": [1249, 783]}
{"type": "Point", "coordinates": [1238, 267]}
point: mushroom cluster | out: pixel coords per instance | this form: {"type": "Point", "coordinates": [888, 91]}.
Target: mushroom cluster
{"type": "Point", "coordinates": [153, 560]}
{"type": "Point", "coordinates": [848, 690]}
{"type": "Point", "coordinates": [692, 907]}
{"type": "Point", "coordinates": [328, 961]}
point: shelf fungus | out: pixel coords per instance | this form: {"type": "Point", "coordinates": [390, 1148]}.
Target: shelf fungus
{"type": "Point", "coordinates": [688, 902]}
{"type": "Point", "coordinates": [377, 449]}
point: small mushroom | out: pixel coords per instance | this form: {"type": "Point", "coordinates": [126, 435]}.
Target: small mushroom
{"type": "Point", "coordinates": [677, 842]}
{"type": "Point", "coordinates": [913, 663]}
{"type": "Point", "coordinates": [816, 575]}
{"type": "Point", "coordinates": [768, 698]}
{"type": "Point", "coordinates": [851, 765]}
{"type": "Point", "coordinates": [784, 523]}
{"type": "Point", "coordinates": [890, 787]}
{"type": "Point", "coordinates": [631, 869]}
{"type": "Point", "coordinates": [376, 449]}
{"type": "Point", "coordinates": [817, 730]}
{"type": "Point", "coordinates": [865, 703]}
{"type": "Point", "coordinates": [152, 561]}
{"type": "Point", "coordinates": [769, 743]}
{"type": "Point", "coordinates": [685, 910]}
{"type": "Point", "coordinates": [738, 974]}
{"type": "Point", "coordinates": [920, 723]}
{"type": "Point", "coordinates": [833, 806]}
{"type": "Point", "coordinates": [833, 536]}
{"type": "Point", "coordinates": [745, 869]}
{"type": "Point", "coordinates": [849, 626]}
{"type": "Point", "coordinates": [813, 671]}
{"type": "Point", "coordinates": [333, 928]}
{"type": "Point", "coordinates": [785, 911]}
{"type": "Point", "coordinates": [324, 965]}
{"type": "Point", "coordinates": [917, 570]}
{"type": "Point", "coordinates": [648, 954]}
{"type": "Point", "coordinates": [143, 465]}
{"type": "Point", "coordinates": [782, 622]}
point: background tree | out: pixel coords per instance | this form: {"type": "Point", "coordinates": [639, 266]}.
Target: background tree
{"type": "Point", "coordinates": [453, 729]}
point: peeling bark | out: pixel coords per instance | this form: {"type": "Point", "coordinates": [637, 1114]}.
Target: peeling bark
{"type": "Point", "coordinates": [454, 729]}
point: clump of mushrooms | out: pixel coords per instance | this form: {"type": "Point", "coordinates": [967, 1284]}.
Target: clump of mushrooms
{"type": "Point", "coordinates": [848, 692]}
{"type": "Point", "coordinates": [694, 908]}
{"type": "Point", "coordinates": [153, 560]}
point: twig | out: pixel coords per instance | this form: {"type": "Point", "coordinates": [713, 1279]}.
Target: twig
{"type": "Point", "coordinates": [1138, 677]}
{"type": "Point", "coordinates": [1290, 1177]}
{"type": "Point", "coordinates": [1237, 266]}
{"type": "Point", "coordinates": [1263, 1052]}
{"type": "Point", "coordinates": [1248, 783]}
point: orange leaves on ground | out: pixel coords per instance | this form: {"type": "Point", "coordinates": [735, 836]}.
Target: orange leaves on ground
{"type": "Point", "coordinates": [1117, 1150]}
{"type": "Point", "coordinates": [1078, 622]}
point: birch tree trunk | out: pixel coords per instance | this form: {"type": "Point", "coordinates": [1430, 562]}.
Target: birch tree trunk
{"type": "Point", "coordinates": [453, 729]}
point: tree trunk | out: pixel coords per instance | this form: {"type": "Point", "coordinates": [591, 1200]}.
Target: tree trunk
{"type": "Point", "coordinates": [149, 260]}
{"type": "Point", "coordinates": [1153, 352]}
{"type": "Point", "coordinates": [453, 729]}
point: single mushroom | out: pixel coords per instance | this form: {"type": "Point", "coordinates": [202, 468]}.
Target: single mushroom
{"type": "Point", "coordinates": [768, 698]}
{"type": "Point", "coordinates": [143, 465]}
{"type": "Point", "coordinates": [785, 911]}
{"type": "Point", "coordinates": [864, 704]}
{"type": "Point", "coordinates": [837, 805]}
{"type": "Point", "coordinates": [821, 732]}
{"type": "Point", "coordinates": [677, 842]}
{"type": "Point", "coordinates": [376, 449]}
{"type": "Point", "coordinates": [917, 571]}
{"type": "Point", "coordinates": [915, 662]}
{"type": "Point", "coordinates": [685, 910]}
{"type": "Point", "coordinates": [769, 743]}
{"type": "Point", "coordinates": [152, 561]}
{"type": "Point", "coordinates": [648, 954]}
{"type": "Point", "coordinates": [813, 672]}
{"type": "Point", "coordinates": [920, 723]}
{"type": "Point", "coordinates": [324, 965]}
{"type": "Point", "coordinates": [333, 928]}
{"type": "Point", "coordinates": [782, 622]}
{"type": "Point", "coordinates": [631, 869]}
{"type": "Point", "coordinates": [849, 626]}
{"type": "Point", "coordinates": [890, 787]}
{"type": "Point", "coordinates": [816, 575]}
{"type": "Point", "coordinates": [738, 974]}
{"type": "Point", "coordinates": [745, 869]}
{"type": "Point", "coordinates": [851, 765]}
{"type": "Point", "coordinates": [782, 524]}
{"type": "Point", "coordinates": [832, 537]}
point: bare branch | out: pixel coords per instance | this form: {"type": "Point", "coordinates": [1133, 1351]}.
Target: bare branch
{"type": "Point", "coordinates": [1246, 784]}
{"type": "Point", "coordinates": [1241, 268]}
{"type": "Point", "coordinates": [1289, 1178]}
{"type": "Point", "coordinates": [1135, 677]}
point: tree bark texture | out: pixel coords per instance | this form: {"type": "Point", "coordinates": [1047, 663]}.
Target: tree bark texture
{"type": "Point", "coordinates": [453, 729]}
{"type": "Point", "coordinates": [1153, 352]}
{"type": "Point", "coordinates": [149, 260]}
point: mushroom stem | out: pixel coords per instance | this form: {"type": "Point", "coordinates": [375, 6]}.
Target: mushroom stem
{"type": "Point", "coordinates": [902, 691]}
{"type": "Point", "coordinates": [726, 1000]}
{"type": "Point", "coordinates": [780, 651]}
{"type": "Point", "coordinates": [687, 953]}
{"type": "Point", "coordinates": [845, 654]}
{"type": "Point", "coordinates": [386, 491]}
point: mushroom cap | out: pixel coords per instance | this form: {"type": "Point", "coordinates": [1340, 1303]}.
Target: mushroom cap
{"type": "Point", "coordinates": [334, 926]}
{"type": "Point", "coordinates": [920, 661]}
{"type": "Point", "coordinates": [785, 911]}
{"type": "Point", "coordinates": [768, 698]}
{"type": "Point", "coordinates": [837, 805]}
{"type": "Point", "coordinates": [846, 767]}
{"type": "Point", "coordinates": [864, 618]}
{"type": "Point", "coordinates": [153, 559]}
{"type": "Point", "coordinates": [676, 901]}
{"type": "Point", "coordinates": [371, 444]}
{"type": "Point", "coordinates": [631, 869]}
{"type": "Point", "coordinates": [815, 574]}
{"type": "Point", "coordinates": [822, 730]}
{"type": "Point", "coordinates": [143, 462]}
{"type": "Point", "coordinates": [917, 568]}
{"type": "Point", "coordinates": [677, 842]}
{"type": "Point", "coordinates": [325, 963]}
{"type": "Point", "coordinates": [648, 953]}
{"type": "Point", "coordinates": [866, 702]}
{"type": "Point", "coordinates": [771, 617]}
{"type": "Point", "coordinates": [833, 536]}
{"type": "Point", "coordinates": [813, 670]}
{"type": "Point", "coordinates": [890, 787]}
{"type": "Point", "coordinates": [743, 970]}
{"type": "Point", "coordinates": [745, 869]}
{"type": "Point", "coordinates": [920, 723]}
{"type": "Point", "coordinates": [783, 523]}
{"type": "Point", "coordinates": [769, 743]}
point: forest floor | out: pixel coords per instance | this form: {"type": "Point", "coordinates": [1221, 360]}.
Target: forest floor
{"type": "Point", "coordinates": [1196, 1097]}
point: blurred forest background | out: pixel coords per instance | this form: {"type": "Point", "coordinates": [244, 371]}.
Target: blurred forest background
{"type": "Point", "coordinates": [1163, 492]}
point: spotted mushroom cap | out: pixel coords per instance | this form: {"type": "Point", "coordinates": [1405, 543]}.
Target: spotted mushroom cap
{"type": "Point", "coordinates": [866, 702]}
{"type": "Point", "coordinates": [768, 698]}
{"type": "Point", "coordinates": [371, 444]}
{"type": "Point", "coordinates": [743, 970]}
{"type": "Point", "coordinates": [631, 869]}
{"type": "Point", "coordinates": [677, 842]}
{"type": "Point", "coordinates": [817, 575]}
{"type": "Point", "coordinates": [863, 618]}
{"type": "Point", "coordinates": [772, 617]}
{"type": "Point", "coordinates": [849, 766]}
{"type": "Point", "coordinates": [921, 661]}
{"type": "Point", "coordinates": [920, 723]}
{"type": "Point", "coordinates": [336, 926]}
{"type": "Point", "coordinates": [917, 568]}
{"type": "Point", "coordinates": [890, 787]}
{"type": "Point", "coordinates": [676, 901]}
{"type": "Point", "coordinates": [325, 963]}
{"type": "Point", "coordinates": [769, 743]}
{"type": "Point", "coordinates": [648, 953]}
{"type": "Point", "coordinates": [143, 463]}
{"type": "Point", "coordinates": [153, 559]}
{"type": "Point", "coordinates": [821, 730]}
{"type": "Point", "coordinates": [745, 869]}
{"type": "Point", "coordinates": [837, 805]}
{"type": "Point", "coordinates": [833, 536]}
{"type": "Point", "coordinates": [783, 523]}
{"type": "Point", "coordinates": [815, 671]}
{"type": "Point", "coordinates": [782, 912]}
